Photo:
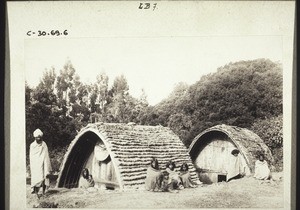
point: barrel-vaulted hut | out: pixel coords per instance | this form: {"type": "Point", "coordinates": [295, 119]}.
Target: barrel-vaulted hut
{"type": "Point", "coordinates": [118, 155]}
{"type": "Point", "coordinates": [211, 151]}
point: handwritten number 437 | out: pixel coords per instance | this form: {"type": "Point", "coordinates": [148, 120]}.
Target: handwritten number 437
{"type": "Point", "coordinates": [147, 6]}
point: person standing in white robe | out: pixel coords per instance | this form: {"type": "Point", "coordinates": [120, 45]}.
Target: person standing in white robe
{"type": "Point", "coordinates": [40, 166]}
{"type": "Point", "coordinates": [262, 170]}
{"type": "Point", "coordinates": [237, 168]}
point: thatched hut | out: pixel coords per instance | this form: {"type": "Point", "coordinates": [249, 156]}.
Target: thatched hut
{"type": "Point", "coordinates": [117, 155]}
{"type": "Point", "coordinates": [211, 150]}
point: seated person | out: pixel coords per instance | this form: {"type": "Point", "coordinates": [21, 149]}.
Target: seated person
{"type": "Point", "coordinates": [185, 176]}
{"type": "Point", "coordinates": [167, 185]}
{"type": "Point", "coordinates": [236, 167]}
{"type": "Point", "coordinates": [174, 176]}
{"type": "Point", "coordinates": [153, 177]}
{"type": "Point", "coordinates": [262, 170]}
{"type": "Point", "coordinates": [86, 180]}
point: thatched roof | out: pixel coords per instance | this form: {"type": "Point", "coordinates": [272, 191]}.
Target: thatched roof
{"type": "Point", "coordinates": [245, 140]}
{"type": "Point", "coordinates": [131, 148]}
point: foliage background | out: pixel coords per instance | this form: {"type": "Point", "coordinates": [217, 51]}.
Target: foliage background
{"type": "Point", "coordinates": [246, 94]}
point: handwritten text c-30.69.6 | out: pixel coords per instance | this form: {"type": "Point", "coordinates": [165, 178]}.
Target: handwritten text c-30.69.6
{"type": "Point", "coordinates": [47, 33]}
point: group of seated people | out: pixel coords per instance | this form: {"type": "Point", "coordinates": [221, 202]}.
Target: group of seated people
{"type": "Point", "coordinates": [168, 180]}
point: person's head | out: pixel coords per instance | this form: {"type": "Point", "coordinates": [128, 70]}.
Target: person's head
{"type": "Point", "coordinates": [171, 165]}
{"type": "Point", "coordinates": [154, 163]}
{"type": "Point", "coordinates": [235, 152]}
{"type": "Point", "coordinates": [261, 157]}
{"type": "Point", "coordinates": [85, 173]}
{"type": "Point", "coordinates": [165, 175]}
{"type": "Point", "coordinates": [184, 167]}
{"type": "Point", "coordinates": [38, 134]}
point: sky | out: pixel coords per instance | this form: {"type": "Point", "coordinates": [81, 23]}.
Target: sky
{"type": "Point", "coordinates": [155, 64]}
{"type": "Point", "coordinates": [179, 41]}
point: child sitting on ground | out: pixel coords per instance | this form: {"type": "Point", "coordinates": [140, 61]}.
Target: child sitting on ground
{"type": "Point", "coordinates": [167, 184]}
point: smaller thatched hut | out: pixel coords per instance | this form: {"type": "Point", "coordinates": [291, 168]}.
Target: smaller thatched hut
{"type": "Point", "coordinates": [118, 155]}
{"type": "Point", "coordinates": [211, 150]}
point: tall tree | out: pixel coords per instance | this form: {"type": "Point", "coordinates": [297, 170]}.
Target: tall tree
{"type": "Point", "coordinates": [44, 92]}
{"type": "Point", "coordinates": [120, 96]}
{"type": "Point", "coordinates": [99, 95]}
{"type": "Point", "coordinates": [65, 84]}
{"type": "Point", "coordinates": [120, 86]}
{"type": "Point", "coordinates": [28, 98]}
{"type": "Point", "coordinates": [74, 89]}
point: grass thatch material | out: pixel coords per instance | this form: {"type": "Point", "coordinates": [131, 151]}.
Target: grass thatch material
{"type": "Point", "coordinates": [132, 146]}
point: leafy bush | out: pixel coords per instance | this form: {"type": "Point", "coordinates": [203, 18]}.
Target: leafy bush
{"type": "Point", "coordinates": [278, 158]}
{"type": "Point", "coordinates": [56, 157]}
{"type": "Point", "coordinates": [237, 94]}
{"type": "Point", "coordinates": [270, 131]}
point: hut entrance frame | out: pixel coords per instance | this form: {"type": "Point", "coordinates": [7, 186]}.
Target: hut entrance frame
{"type": "Point", "coordinates": [212, 156]}
{"type": "Point", "coordinates": [89, 151]}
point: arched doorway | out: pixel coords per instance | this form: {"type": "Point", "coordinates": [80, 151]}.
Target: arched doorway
{"type": "Point", "coordinates": [88, 152]}
{"type": "Point", "coordinates": [212, 157]}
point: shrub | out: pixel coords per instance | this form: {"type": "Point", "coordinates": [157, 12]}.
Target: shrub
{"type": "Point", "coordinates": [56, 157]}
{"type": "Point", "coordinates": [270, 131]}
{"type": "Point", "coordinates": [278, 158]}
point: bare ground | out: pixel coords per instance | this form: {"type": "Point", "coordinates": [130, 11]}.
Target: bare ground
{"type": "Point", "coordinates": [243, 193]}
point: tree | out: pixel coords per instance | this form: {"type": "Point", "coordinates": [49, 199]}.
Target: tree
{"type": "Point", "coordinates": [42, 109]}
{"type": "Point", "coordinates": [143, 98]}
{"type": "Point", "coordinates": [44, 92]}
{"type": "Point", "coordinates": [99, 95]}
{"type": "Point", "coordinates": [65, 84]}
{"type": "Point", "coordinates": [83, 94]}
{"type": "Point", "coordinates": [237, 94]}
{"type": "Point", "coordinates": [140, 107]}
{"type": "Point", "coordinates": [28, 102]}
{"type": "Point", "coordinates": [120, 86]}
{"type": "Point", "coordinates": [74, 89]}
{"type": "Point", "coordinates": [28, 98]}
{"type": "Point", "coordinates": [120, 96]}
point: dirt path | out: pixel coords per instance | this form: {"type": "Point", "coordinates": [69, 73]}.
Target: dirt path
{"type": "Point", "coordinates": [243, 193]}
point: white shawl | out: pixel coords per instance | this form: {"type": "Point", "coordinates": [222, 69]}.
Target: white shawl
{"type": "Point", "coordinates": [40, 165]}
{"type": "Point", "coordinates": [262, 170]}
{"type": "Point", "coordinates": [236, 167]}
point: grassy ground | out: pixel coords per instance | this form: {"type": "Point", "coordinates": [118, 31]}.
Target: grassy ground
{"type": "Point", "coordinates": [243, 193]}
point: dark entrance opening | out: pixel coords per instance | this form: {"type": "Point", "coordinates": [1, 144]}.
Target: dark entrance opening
{"type": "Point", "coordinates": [221, 178]}
{"type": "Point", "coordinates": [77, 158]}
